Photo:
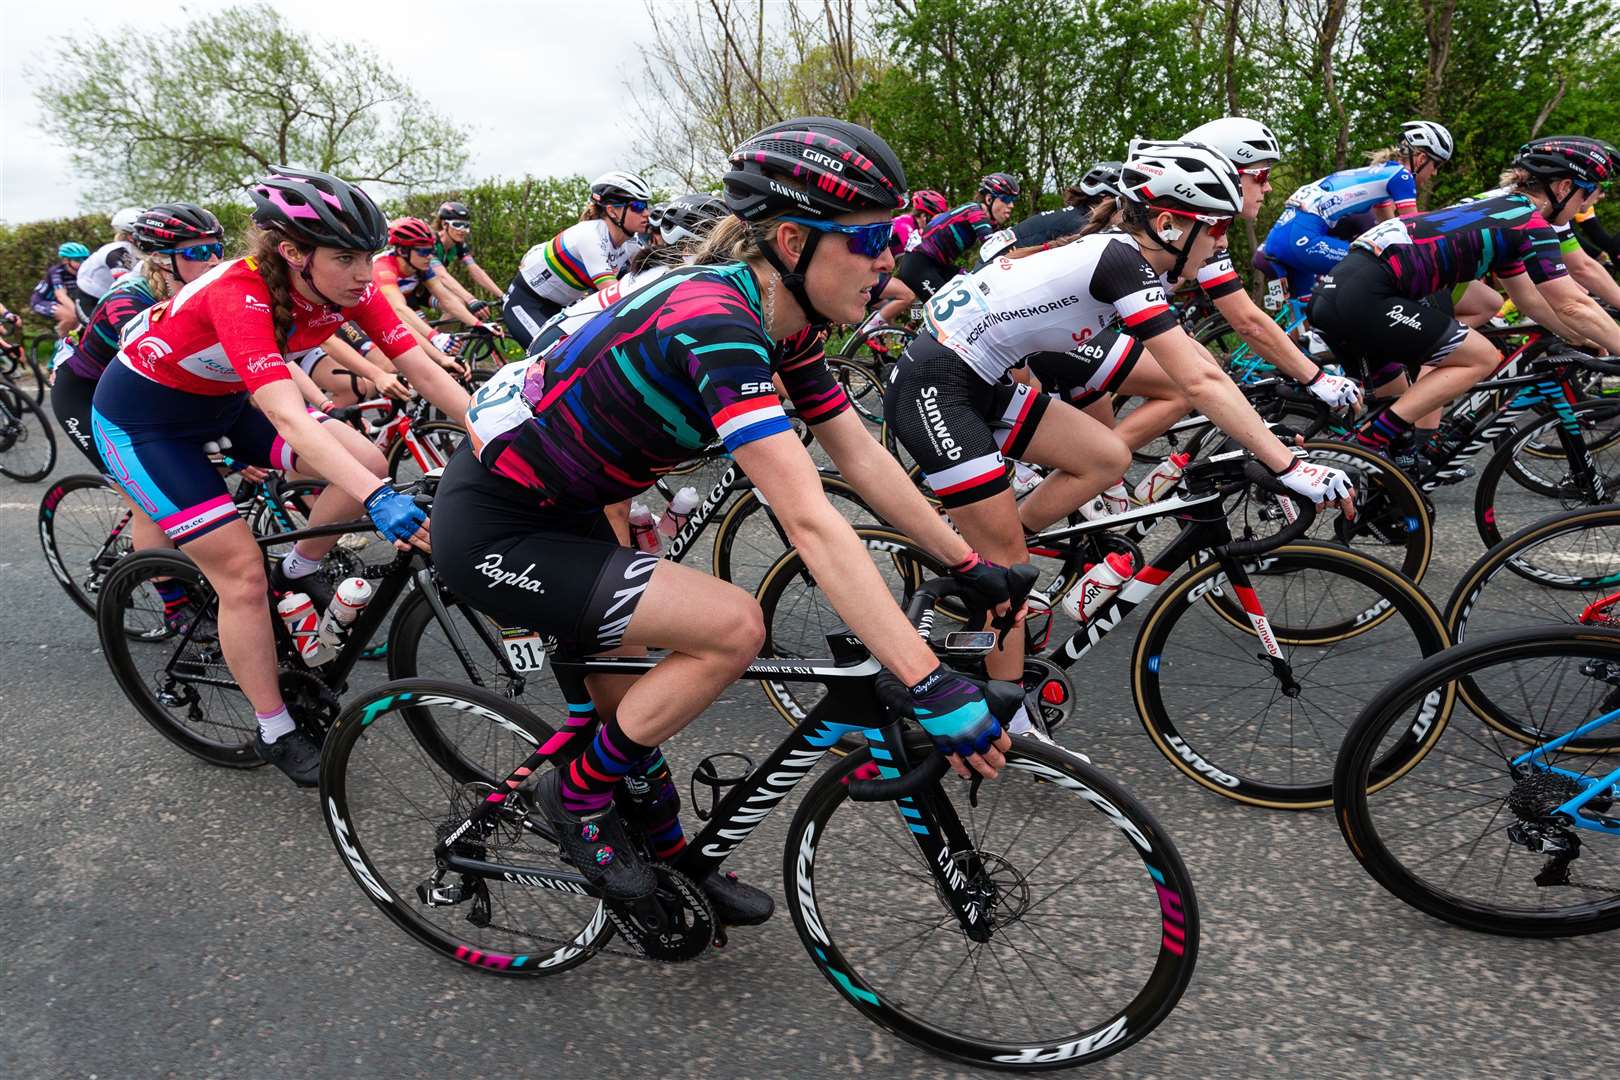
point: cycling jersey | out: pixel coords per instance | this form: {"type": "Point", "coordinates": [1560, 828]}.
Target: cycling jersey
{"type": "Point", "coordinates": [1041, 228]}
{"type": "Point", "coordinates": [457, 251]}
{"type": "Point", "coordinates": [98, 341]}
{"type": "Point", "coordinates": [646, 384]}
{"type": "Point", "coordinates": [389, 268]}
{"type": "Point", "coordinates": [106, 264]}
{"type": "Point", "coordinates": [948, 235]}
{"type": "Point", "coordinates": [216, 337]}
{"type": "Point", "coordinates": [578, 260]}
{"type": "Point", "coordinates": [1354, 191]}
{"type": "Point", "coordinates": [906, 232]}
{"type": "Point", "coordinates": [1503, 235]}
{"type": "Point", "coordinates": [57, 276]}
{"type": "Point", "coordinates": [581, 311]}
{"type": "Point", "coordinates": [1049, 302]}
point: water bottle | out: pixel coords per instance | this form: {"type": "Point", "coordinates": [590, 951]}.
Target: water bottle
{"type": "Point", "coordinates": [352, 595]}
{"type": "Point", "coordinates": [677, 513]}
{"type": "Point", "coordinates": [1116, 500]}
{"type": "Point", "coordinates": [1162, 480]}
{"type": "Point", "coordinates": [1024, 479]}
{"type": "Point", "coordinates": [644, 529]}
{"type": "Point", "coordinates": [1101, 581]}
{"type": "Point", "coordinates": [297, 611]}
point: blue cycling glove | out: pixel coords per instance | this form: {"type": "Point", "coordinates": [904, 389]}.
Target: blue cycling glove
{"type": "Point", "coordinates": [396, 516]}
{"type": "Point", "coordinates": [952, 709]}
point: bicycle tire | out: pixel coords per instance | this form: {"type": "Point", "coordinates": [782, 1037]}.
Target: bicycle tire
{"type": "Point", "coordinates": [229, 744]}
{"type": "Point", "coordinates": [748, 540]}
{"type": "Point", "coordinates": [1144, 932]}
{"type": "Point", "coordinates": [437, 438]}
{"type": "Point", "coordinates": [1306, 731]}
{"type": "Point", "coordinates": [892, 339]}
{"type": "Point", "coordinates": [18, 416]}
{"type": "Point", "coordinates": [368, 748]}
{"type": "Point", "coordinates": [83, 535]}
{"type": "Point", "coordinates": [1500, 509]}
{"type": "Point", "coordinates": [863, 386]}
{"type": "Point", "coordinates": [1370, 822]}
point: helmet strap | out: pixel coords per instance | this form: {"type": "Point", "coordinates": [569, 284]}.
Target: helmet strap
{"type": "Point", "coordinates": [1181, 253]}
{"type": "Point", "coordinates": [793, 280]}
{"type": "Point", "coordinates": [303, 272]}
{"type": "Point", "coordinates": [1555, 205]}
{"type": "Point", "coordinates": [174, 268]}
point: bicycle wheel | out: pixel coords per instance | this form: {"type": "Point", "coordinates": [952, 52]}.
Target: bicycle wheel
{"type": "Point", "coordinates": [84, 530]}
{"type": "Point", "coordinates": [1470, 832]}
{"type": "Point", "coordinates": [1501, 509]}
{"type": "Point", "coordinates": [749, 539]}
{"type": "Point", "coordinates": [863, 386]}
{"type": "Point", "coordinates": [19, 366]}
{"type": "Point", "coordinates": [1096, 923]}
{"type": "Point", "coordinates": [1548, 572]}
{"type": "Point", "coordinates": [178, 683]}
{"type": "Point", "coordinates": [388, 803]}
{"type": "Point", "coordinates": [1250, 728]}
{"type": "Point", "coordinates": [1393, 523]}
{"type": "Point", "coordinates": [798, 617]}
{"type": "Point", "coordinates": [877, 349]}
{"type": "Point", "coordinates": [427, 447]}
{"type": "Point", "coordinates": [27, 443]}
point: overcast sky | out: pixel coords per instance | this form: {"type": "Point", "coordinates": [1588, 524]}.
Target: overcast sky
{"type": "Point", "coordinates": [537, 85]}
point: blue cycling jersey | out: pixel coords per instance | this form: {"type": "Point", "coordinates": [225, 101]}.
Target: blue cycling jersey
{"type": "Point", "coordinates": [1356, 191]}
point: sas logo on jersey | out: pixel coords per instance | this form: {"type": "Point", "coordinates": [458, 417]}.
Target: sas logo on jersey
{"type": "Point", "coordinates": [756, 388]}
{"type": "Point", "coordinates": [831, 162]}
{"type": "Point", "coordinates": [253, 303]}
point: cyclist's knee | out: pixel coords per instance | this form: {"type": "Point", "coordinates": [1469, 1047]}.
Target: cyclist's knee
{"type": "Point", "coordinates": [740, 630]}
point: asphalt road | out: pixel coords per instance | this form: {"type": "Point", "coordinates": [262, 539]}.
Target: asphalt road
{"type": "Point", "coordinates": [162, 918]}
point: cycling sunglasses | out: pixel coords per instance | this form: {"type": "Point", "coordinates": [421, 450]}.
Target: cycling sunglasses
{"type": "Point", "coordinates": [1005, 198]}
{"type": "Point", "coordinates": [198, 252]}
{"type": "Point", "coordinates": [458, 224]}
{"type": "Point", "coordinates": [867, 241]}
{"type": "Point", "coordinates": [1261, 174]}
{"type": "Point", "coordinates": [638, 206]}
{"type": "Point", "coordinates": [1216, 226]}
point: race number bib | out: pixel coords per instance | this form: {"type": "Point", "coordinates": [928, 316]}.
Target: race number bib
{"type": "Point", "coordinates": [499, 406]}
{"type": "Point", "coordinates": [1384, 235]}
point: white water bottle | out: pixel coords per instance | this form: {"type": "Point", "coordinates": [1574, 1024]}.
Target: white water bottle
{"type": "Point", "coordinates": [1024, 479]}
{"type": "Point", "coordinates": [1116, 500]}
{"type": "Point", "coordinates": [677, 513]}
{"type": "Point", "coordinates": [1100, 583]}
{"type": "Point", "coordinates": [644, 529]}
{"type": "Point", "coordinates": [1162, 480]}
{"type": "Point", "coordinates": [352, 595]}
{"type": "Point", "coordinates": [297, 611]}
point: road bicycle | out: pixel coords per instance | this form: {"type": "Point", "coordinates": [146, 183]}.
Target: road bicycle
{"type": "Point", "coordinates": [1246, 669]}
{"type": "Point", "coordinates": [1500, 813]}
{"type": "Point", "coordinates": [27, 443]}
{"type": "Point", "coordinates": [1040, 920]}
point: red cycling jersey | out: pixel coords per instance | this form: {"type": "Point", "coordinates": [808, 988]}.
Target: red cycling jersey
{"type": "Point", "coordinates": [216, 336]}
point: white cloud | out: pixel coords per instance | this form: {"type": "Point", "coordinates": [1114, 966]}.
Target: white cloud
{"type": "Point", "coordinates": [539, 86]}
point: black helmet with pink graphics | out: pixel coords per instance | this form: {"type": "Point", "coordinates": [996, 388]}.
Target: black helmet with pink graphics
{"type": "Point", "coordinates": [318, 210]}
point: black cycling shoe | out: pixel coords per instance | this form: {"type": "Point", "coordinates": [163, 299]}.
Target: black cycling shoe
{"type": "Point", "coordinates": [313, 583]}
{"type": "Point", "coordinates": [596, 846]}
{"type": "Point", "coordinates": [735, 903]}
{"type": "Point", "coordinates": [295, 754]}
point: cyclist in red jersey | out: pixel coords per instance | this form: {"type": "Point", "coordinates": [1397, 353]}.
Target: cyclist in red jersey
{"type": "Point", "coordinates": [184, 377]}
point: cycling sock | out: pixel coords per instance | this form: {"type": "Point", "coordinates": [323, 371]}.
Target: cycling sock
{"type": "Point", "coordinates": [273, 725]}
{"type": "Point", "coordinates": [588, 783]}
{"type": "Point", "coordinates": [659, 807]}
{"type": "Point", "coordinates": [295, 566]}
{"type": "Point", "coordinates": [173, 594]}
{"type": "Point", "coordinates": [1383, 430]}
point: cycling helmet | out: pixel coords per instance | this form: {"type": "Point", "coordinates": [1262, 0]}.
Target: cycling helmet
{"type": "Point", "coordinates": [999, 183]}
{"type": "Point", "coordinates": [1431, 138]}
{"type": "Point", "coordinates": [1247, 142]}
{"type": "Point", "coordinates": [929, 202]}
{"type": "Point", "coordinates": [124, 220]}
{"type": "Point", "coordinates": [835, 167]}
{"type": "Point", "coordinates": [409, 232]}
{"type": "Point", "coordinates": [1101, 179]}
{"type": "Point", "coordinates": [169, 226]}
{"type": "Point", "coordinates": [1574, 157]}
{"type": "Point", "coordinates": [689, 217]}
{"type": "Point", "coordinates": [454, 211]}
{"type": "Point", "coordinates": [614, 188]}
{"type": "Point", "coordinates": [70, 249]}
{"type": "Point", "coordinates": [1187, 176]}
{"type": "Point", "coordinates": [315, 209]}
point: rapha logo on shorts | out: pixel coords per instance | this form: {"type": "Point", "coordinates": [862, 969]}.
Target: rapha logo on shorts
{"type": "Point", "coordinates": [1399, 317]}
{"type": "Point", "coordinates": [491, 568]}
{"type": "Point", "coordinates": [253, 303]}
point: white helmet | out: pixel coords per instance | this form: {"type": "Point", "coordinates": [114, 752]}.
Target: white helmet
{"type": "Point", "coordinates": [1247, 142]}
{"type": "Point", "coordinates": [1431, 138]}
{"type": "Point", "coordinates": [1182, 175]}
{"type": "Point", "coordinates": [619, 187]}
{"type": "Point", "coordinates": [125, 219]}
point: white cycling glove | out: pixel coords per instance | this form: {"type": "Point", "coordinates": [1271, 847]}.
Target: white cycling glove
{"type": "Point", "coordinates": [1314, 481]}
{"type": "Point", "coordinates": [1334, 391]}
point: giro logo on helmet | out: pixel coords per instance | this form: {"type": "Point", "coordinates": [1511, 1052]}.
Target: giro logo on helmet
{"type": "Point", "coordinates": [822, 159]}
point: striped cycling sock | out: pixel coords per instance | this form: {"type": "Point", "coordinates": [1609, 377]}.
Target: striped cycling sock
{"type": "Point", "coordinates": [1383, 430]}
{"type": "Point", "coordinates": [658, 808]}
{"type": "Point", "coordinates": [588, 782]}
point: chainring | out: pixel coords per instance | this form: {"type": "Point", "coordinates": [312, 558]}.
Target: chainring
{"type": "Point", "coordinates": [675, 923]}
{"type": "Point", "coordinates": [1051, 687]}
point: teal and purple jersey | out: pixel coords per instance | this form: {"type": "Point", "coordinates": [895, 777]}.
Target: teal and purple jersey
{"type": "Point", "coordinates": [948, 235]}
{"type": "Point", "coordinates": [644, 386]}
{"type": "Point", "coordinates": [1505, 235]}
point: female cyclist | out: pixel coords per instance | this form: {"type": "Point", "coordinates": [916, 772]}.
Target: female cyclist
{"type": "Point", "coordinates": [109, 262]}
{"type": "Point", "coordinates": [184, 377]}
{"type": "Point", "coordinates": [451, 245]}
{"type": "Point", "coordinates": [56, 295]}
{"type": "Point", "coordinates": [518, 528]}
{"type": "Point", "coordinates": [931, 262]}
{"type": "Point", "coordinates": [582, 259]}
{"type": "Point", "coordinates": [1099, 185]}
{"type": "Point", "coordinates": [1302, 239]}
{"type": "Point", "coordinates": [1386, 312]}
{"type": "Point", "coordinates": [954, 409]}
{"type": "Point", "coordinates": [406, 275]}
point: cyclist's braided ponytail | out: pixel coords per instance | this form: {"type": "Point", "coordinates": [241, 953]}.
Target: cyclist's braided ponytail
{"type": "Point", "coordinates": [262, 244]}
